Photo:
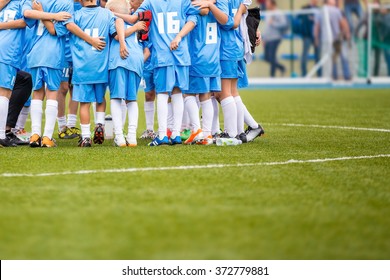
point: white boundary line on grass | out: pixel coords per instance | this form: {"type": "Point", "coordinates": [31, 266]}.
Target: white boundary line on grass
{"type": "Point", "coordinates": [331, 126]}
{"type": "Point", "coordinates": [167, 168]}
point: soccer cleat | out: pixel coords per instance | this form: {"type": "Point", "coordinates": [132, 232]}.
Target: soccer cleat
{"type": "Point", "coordinates": [205, 141]}
{"type": "Point", "coordinates": [158, 142]}
{"type": "Point", "coordinates": [35, 141]}
{"type": "Point", "coordinates": [176, 141]}
{"type": "Point", "coordinates": [85, 143]}
{"type": "Point", "coordinates": [120, 142]}
{"type": "Point", "coordinates": [15, 139]}
{"type": "Point", "coordinates": [242, 137]}
{"type": "Point", "coordinates": [98, 135]}
{"type": "Point", "coordinates": [48, 143]}
{"type": "Point", "coordinates": [253, 133]}
{"type": "Point", "coordinates": [195, 136]}
{"type": "Point", "coordinates": [148, 134]}
{"type": "Point", "coordinates": [185, 134]}
{"type": "Point", "coordinates": [6, 142]}
{"type": "Point", "coordinates": [131, 140]}
{"type": "Point", "coordinates": [69, 133]}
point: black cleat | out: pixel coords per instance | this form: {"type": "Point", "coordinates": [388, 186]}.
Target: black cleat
{"type": "Point", "coordinates": [253, 133]}
{"type": "Point", "coordinates": [6, 143]}
{"type": "Point", "coordinates": [85, 143]}
{"type": "Point", "coordinates": [98, 135]}
{"type": "Point", "coordinates": [242, 137]}
{"type": "Point", "coordinates": [15, 139]}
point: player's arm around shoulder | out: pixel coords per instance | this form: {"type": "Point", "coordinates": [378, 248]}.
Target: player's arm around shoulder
{"type": "Point", "coordinates": [219, 10]}
{"type": "Point", "coordinates": [4, 3]}
{"type": "Point", "coordinates": [120, 34]}
{"type": "Point", "coordinates": [237, 18]}
{"type": "Point", "coordinates": [40, 15]}
{"type": "Point", "coordinates": [37, 6]}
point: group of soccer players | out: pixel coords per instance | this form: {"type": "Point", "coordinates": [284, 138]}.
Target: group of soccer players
{"type": "Point", "coordinates": [189, 53]}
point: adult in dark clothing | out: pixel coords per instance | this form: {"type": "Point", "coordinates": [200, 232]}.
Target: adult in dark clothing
{"type": "Point", "coordinates": [306, 23]}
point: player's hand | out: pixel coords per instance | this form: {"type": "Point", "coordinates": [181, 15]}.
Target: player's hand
{"type": "Point", "coordinates": [124, 53]}
{"type": "Point", "coordinates": [202, 4]}
{"type": "Point", "coordinates": [175, 43]}
{"type": "Point", "coordinates": [37, 6]}
{"type": "Point", "coordinates": [98, 43]}
{"type": "Point", "coordinates": [258, 38]}
{"type": "Point", "coordinates": [62, 16]}
{"type": "Point", "coordinates": [141, 25]}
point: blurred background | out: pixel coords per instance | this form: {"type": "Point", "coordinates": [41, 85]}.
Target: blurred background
{"type": "Point", "coordinates": [322, 42]}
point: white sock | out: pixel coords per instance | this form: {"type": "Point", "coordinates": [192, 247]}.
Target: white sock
{"type": "Point", "coordinates": [101, 117]}
{"type": "Point", "coordinates": [22, 118]}
{"type": "Point", "coordinates": [177, 109]}
{"type": "Point", "coordinates": [132, 109]}
{"type": "Point", "coordinates": [191, 107]}
{"type": "Point", "coordinates": [94, 111]}
{"type": "Point", "coordinates": [85, 130]}
{"type": "Point", "coordinates": [50, 117]}
{"type": "Point", "coordinates": [198, 101]}
{"type": "Point", "coordinates": [240, 114]}
{"type": "Point", "coordinates": [72, 120]}
{"type": "Point", "coordinates": [170, 116]}
{"type": "Point", "coordinates": [4, 104]}
{"type": "Point", "coordinates": [230, 115]}
{"type": "Point", "coordinates": [149, 114]}
{"type": "Point", "coordinates": [124, 113]}
{"type": "Point", "coordinates": [215, 127]}
{"type": "Point", "coordinates": [162, 114]}
{"type": "Point", "coordinates": [249, 120]}
{"type": "Point", "coordinates": [116, 113]}
{"type": "Point", "coordinates": [186, 123]}
{"type": "Point", "coordinates": [61, 122]}
{"type": "Point", "coordinates": [36, 116]}
{"type": "Point", "coordinates": [207, 117]}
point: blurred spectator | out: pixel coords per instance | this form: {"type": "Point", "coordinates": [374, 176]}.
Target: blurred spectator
{"type": "Point", "coordinates": [339, 33]}
{"type": "Point", "coordinates": [306, 30]}
{"type": "Point", "coordinates": [276, 25]}
{"type": "Point", "coordinates": [262, 4]}
{"type": "Point", "coordinates": [353, 7]}
{"type": "Point", "coordinates": [381, 36]}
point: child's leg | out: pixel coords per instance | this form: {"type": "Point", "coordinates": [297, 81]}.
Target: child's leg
{"type": "Point", "coordinates": [132, 109]}
{"type": "Point", "coordinates": [116, 113]}
{"type": "Point", "coordinates": [149, 109]}
{"type": "Point", "coordinates": [162, 114]}
{"type": "Point", "coordinates": [177, 109]}
{"type": "Point", "coordinates": [240, 107]}
{"type": "Point", "coordinates": [37, 111]}
{"type": "Point", "coordinates": [215, 129]}
{"type": "Point", "coordinates": [229, 107]}
{"type": "Point", "coordinates": [100, 112]}
{"type": "Point", "coordinates": [85, 121]}
{"type": "Point", "coordinates": [191, 108]}
{"type": "Point", "coordinates": [50, 113]}
{"type": "Point", "coordinates": [61, 119]}
{"type": "Point", "coordinates": [72, 110]}
{"type": "Point", "coordinates": [5, 95]}
{"type": "Point", "coordinates": [207, 113]}
{"type": "Point", "coordinates": [124, 113]}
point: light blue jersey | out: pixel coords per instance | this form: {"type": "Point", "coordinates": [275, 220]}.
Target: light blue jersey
{"type": "Point", "coordinates": [148, 66]}
{"type": "Point", "coordinates": [169, 17]}
{"type": "Point", "coordinates": [48, 50]}
{"type": "Point", "coordinates": [11, 40]}
{"type": "Point", "coordinates": [90, 66]}
{"type": "Point", "coordinates": [27, 46]}
{"type": "Point", "coordinates": [68, 54]}
{"type": "Point", "coordinates": [135, 61]}
{"type": "Point", "coordinates": [232, 46]}
{"type": "Point", "coordinates": [204, 45]}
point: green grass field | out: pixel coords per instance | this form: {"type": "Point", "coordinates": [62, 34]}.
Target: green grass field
{"type": "Point", "coordinates": [316, 210]}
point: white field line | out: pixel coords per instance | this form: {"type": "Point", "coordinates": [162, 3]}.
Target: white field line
{"type": "Point", "coordinates": [330, 127]}
{"type": "Point", "coordinates": [167, 168]}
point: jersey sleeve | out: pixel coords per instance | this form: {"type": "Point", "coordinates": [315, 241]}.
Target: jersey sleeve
{"type": "Point", "coordinates": [60, 27]}
{"type": "Point", "coordinates": [27, 5]}
{"type": "Point", "coordinates": [112, 23]}
{"type": "Point", "coordinates": [144, 7]}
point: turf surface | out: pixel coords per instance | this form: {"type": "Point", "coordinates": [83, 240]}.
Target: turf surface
{"type": "Point", "coordinates": [332, 210]}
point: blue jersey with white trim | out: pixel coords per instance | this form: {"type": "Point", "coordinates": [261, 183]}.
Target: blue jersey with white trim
{"type": "Point", "coordinates": [232, 45]}
{"type": "Point", "coordinates": [90, 66]}
{"type": "Point", "coordinates": [135, 61]}
{"type": "Point", "coordinates": [11, 40]}
{"type": "Point", "coordinates": [48, 50]}
{"type": "Point", "coordinates": [169, 17]}
{"type": "Point", "coordinates": [204, 44]}
{"type": "Point", "coordinates": [68, 54]}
